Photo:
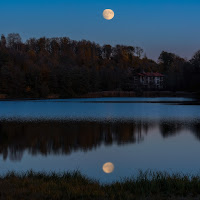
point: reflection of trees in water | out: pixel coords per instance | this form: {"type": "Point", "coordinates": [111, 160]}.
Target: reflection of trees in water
{"type": "Point", "coordinates": [57, 137]}
{"type": "Point", "coordinates": [170, 128]}
{"type": "Point", "coordinates": [123, 133]}
{"type": "Point", "coordinates": [196, 129]}
{"type": "Point", "coordinates": [53, 137]}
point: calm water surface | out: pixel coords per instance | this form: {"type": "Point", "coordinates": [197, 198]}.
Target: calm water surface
{"type": "Point", "coordinates": [83, 134]}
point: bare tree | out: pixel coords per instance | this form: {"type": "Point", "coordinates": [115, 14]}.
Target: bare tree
{"type": "Point", "coordinates": [3, 41]}
{"type": "Point", "coordinates": [138, 51]}
{"type": "Point", "coordinates": [14, 41]}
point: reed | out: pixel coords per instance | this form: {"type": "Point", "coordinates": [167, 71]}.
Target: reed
{"type": "Point", "coordinates": [146, 185]}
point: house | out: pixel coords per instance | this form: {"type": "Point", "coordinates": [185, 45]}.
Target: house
{"type": "Point", "coordinates": [149, 80]}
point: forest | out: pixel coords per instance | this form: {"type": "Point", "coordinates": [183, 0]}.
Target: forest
{"type": "Point", "coordinates": [64, 68]}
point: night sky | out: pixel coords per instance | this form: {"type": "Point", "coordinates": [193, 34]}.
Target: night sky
{"type": "Point", "coordinates": [170, 25]}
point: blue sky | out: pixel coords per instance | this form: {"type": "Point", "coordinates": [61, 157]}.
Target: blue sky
{"type": "Point", "coordinates": [170, 25]}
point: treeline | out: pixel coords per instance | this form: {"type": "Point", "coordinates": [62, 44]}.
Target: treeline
{"type": "Point", "coordinates": [66, 68]}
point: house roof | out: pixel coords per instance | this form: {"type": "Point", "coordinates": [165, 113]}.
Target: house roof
{"type": "Point", "coordinates": [155, 74]}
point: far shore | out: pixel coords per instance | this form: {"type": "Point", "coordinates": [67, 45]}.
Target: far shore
{"type": "Point", "coordinates": [105, 94]}
{"type": "Point", "coordinates": [140, 94]}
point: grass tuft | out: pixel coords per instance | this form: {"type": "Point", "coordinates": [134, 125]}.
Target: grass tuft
{"type": "Point", "coordinates": [146, 185]}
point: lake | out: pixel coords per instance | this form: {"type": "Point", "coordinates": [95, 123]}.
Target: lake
{"type": "Point", "coordinates": [83, 134]}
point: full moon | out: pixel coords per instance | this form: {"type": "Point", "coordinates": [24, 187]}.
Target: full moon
{"type": "Point", "coordinates": [108, 167]}
{"type": "Point", "coordinates": [108, 14]}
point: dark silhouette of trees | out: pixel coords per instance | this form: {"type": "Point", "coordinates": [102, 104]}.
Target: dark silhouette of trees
{"type": "Point", "coordinates": [53, 137]}
{"type": "Point", "coordinates": [195, 61]}
{"type": "Point", "coordinates": [65, 68]}
{"type": "Point", "coordinates": [3, 41]}
{"type": "Point", "coordinates": [179, 73]}
{"type": "Point", "coordinates": [139, 51]}
{"type": "Point", "coordinates": [14, 41]}
{"type": "Point", "coordinates": [166, 59]}
{"type": "Point", "coordinates": [65, 137]}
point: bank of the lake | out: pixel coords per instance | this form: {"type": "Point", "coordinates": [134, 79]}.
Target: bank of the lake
{"type": "Point", "coordinates": [110, 94]}
{"type": "Point", "coordinates": [141, 94]}
{"type": "Point", "coordinates": [148, 185]}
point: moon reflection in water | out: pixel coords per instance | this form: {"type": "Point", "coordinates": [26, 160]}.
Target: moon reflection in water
{"type": "Point", "coordinates": [108, 167]}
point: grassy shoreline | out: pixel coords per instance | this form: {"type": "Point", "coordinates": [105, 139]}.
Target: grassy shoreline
{"type": "Point", "coordinates": [147, 185]}
{"type": "Point", "coordinates": [141, 94]}
{"type": "Point", "coordinates": [152, 94]}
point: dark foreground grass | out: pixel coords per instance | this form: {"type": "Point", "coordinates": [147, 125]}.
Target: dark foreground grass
{"type": "Point", "coordinates": [148, 185]}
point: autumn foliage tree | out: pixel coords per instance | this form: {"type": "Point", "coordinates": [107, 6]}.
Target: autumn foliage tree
{"type": "Point", "coordinates": [66, 68]}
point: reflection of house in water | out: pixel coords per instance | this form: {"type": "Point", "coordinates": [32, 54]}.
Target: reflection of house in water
{"type": "Point", "coordinates": [54, 137]}
{"type": "Point", "coordinates": [149, 81]}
